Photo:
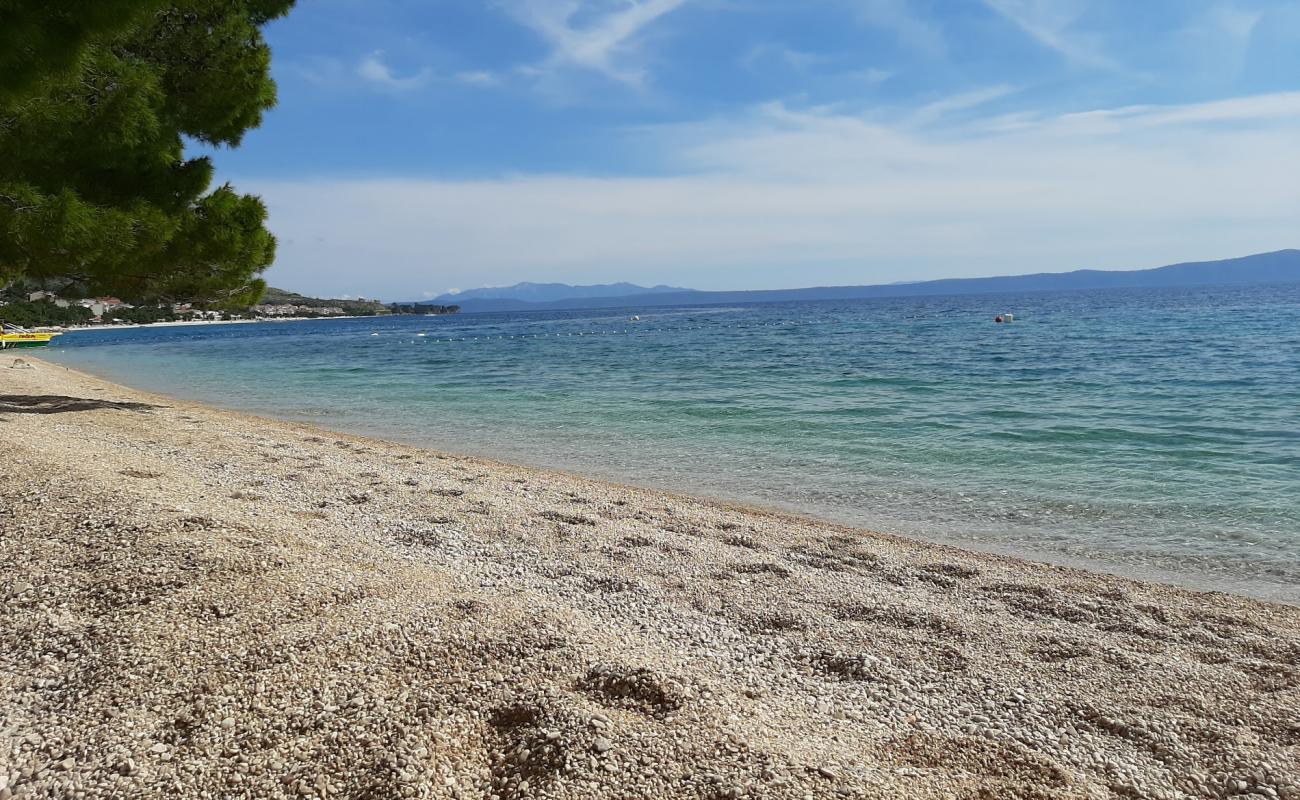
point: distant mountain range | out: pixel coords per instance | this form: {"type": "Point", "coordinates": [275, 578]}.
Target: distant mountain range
{"type": "Point", "coordinates": [1276, 267]}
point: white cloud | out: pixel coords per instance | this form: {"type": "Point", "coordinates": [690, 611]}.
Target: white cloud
{"type": "Point", "coordinates": [373, 69]}
{"type": "Point", "coordinates": [1236, 23]}
{"type": "Point", "coordinates": [1212, 46]}
{"type": "Point", "coordinates": [900, 18]}
{"type": "Point", "coordinates": [373, 72]}
{"type": "Point", "coordinates": [783, 197]}
{"type": "Point", "coordinates": [872, 75]}
{"type": "Point", "coordinates": [1049, 23]}
{"type": "Point", "coordinates": [479, 78]}
{"type": "Point", "coordinates": [1259, 109]}
{"type": "Point", "coordinates": [595, 35]}
{"type": "Point", "coordinates": [959, 102]}
{"type": "Point", "coordinates": [789, 57]}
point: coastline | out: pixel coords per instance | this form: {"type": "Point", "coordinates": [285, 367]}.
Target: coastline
{"type": "Point", "coordinates": [1196, 574]}
{"type": "Point", "coordinates": [458, 626]}
{"type": "Point", "coordinates": [192, 322]}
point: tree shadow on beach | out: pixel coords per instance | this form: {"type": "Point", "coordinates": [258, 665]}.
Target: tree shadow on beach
{"type": "Point", "coordinates": [58, 404]}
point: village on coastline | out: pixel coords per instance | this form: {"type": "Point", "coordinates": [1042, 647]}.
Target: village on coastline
{"type": "Point", "coordinates": [46, 310]}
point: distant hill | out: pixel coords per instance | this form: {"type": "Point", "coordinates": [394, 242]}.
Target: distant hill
{"type": "Point", "coordinates": [357, 308]}
{"type": "Point", "coordinates": [549, 292]}
{"type": "Point", "coordinates": [1277, 267]}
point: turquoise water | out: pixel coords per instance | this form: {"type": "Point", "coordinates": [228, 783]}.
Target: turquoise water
{"type": "Point", "coordinates": [1154, 433]}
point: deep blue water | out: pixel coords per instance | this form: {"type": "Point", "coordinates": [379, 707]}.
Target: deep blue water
{"type": "Point", "coordinates": [1149, 432]}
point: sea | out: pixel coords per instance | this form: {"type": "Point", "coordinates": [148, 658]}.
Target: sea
{"type": "Point", "coordinates": [1149, 433]}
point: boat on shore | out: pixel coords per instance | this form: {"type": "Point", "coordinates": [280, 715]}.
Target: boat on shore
{"type": "Point", "coordinates": [12, 337]}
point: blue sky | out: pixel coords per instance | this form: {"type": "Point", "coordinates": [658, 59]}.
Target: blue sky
{"type": "Point", "coordinates": [422, 145]}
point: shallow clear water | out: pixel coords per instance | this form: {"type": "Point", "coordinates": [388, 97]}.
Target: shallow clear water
{"type": "Point", "coordinates": [1154, 433]}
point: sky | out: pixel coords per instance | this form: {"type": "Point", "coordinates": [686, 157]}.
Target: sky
{"type": "Point", "coordinates": [421, 146]}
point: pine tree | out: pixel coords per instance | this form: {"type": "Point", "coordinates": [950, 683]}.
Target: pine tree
{"type": "Point", "coordinates": [96, 193]}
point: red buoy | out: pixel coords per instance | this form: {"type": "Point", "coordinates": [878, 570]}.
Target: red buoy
{"type": "Point", "coordinates": [997, 319]}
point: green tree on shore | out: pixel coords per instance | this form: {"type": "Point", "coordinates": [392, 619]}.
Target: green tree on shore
{"type": "Point", "coordinates": [97, 98]}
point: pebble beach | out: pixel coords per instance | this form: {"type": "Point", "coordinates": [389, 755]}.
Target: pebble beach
{"type": "Point", "coordinates": [202, 603]}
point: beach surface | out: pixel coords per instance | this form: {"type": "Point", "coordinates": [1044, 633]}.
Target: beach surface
{"type": "Point", "coordinates": [203, 603]}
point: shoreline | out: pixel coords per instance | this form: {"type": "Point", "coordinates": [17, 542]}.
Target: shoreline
{"type": "Point", "coordinates": [458, 626]}
{"type": "Point", "coordinates": [187, 323]}
{"type": "Point", "coordinates": [1191, 578]}
{"type": "Point", "coordinates": [738, 506]}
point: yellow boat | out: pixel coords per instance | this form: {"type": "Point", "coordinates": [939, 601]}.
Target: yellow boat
{"type": "Point", "coordinates": [12, 336]}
